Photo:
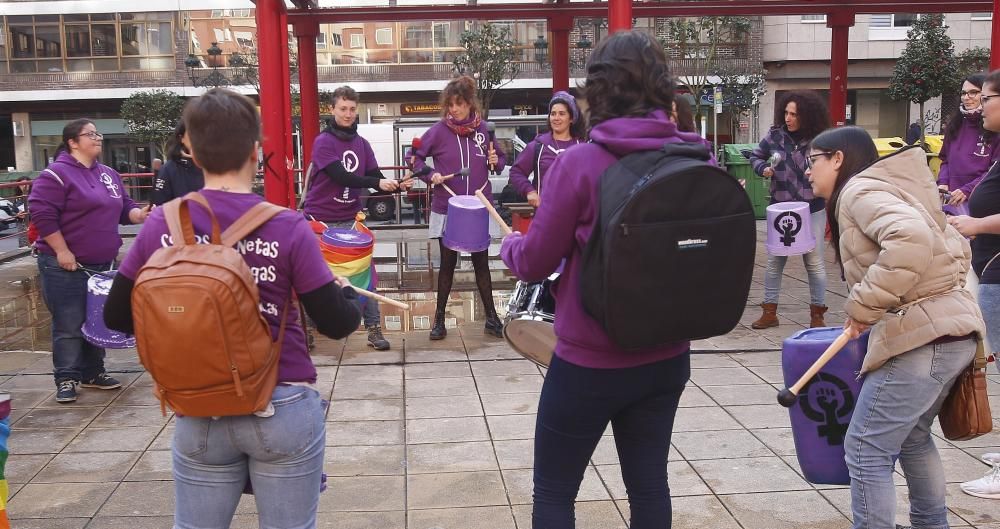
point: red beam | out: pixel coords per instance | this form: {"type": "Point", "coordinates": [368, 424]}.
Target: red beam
{"type": "Point", "coordinates": [308, 88]}
{"type": "Point", "coordinates": [841, 23]}
{"type": "Point", "coordinates": [645, 9]}
{"type": "Point", "coordinates": [272, 99]}
{"type": "Point", "coordinates": [286, 111]}
{"type": "Point", "coordinates": [560, 26]}
{"type": "Point", "coordinates": [619, 15]}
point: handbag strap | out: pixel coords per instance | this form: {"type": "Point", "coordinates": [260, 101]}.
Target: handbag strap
{"type": "Point", "coordinates": [980, 361]}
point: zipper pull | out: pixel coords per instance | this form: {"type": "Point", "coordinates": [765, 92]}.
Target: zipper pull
{"type": "Point", "coordinates": [625, 229]}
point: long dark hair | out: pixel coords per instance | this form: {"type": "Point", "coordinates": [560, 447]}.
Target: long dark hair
{"type": "Point", "coordinates": [577, 129]}
{"type": "Point", "coordinates": [859, 152]}
{"type": "Point", "coordinates": [72, 131]}
{"type": "Point", "coordinates": [813, 115]}
{"type": "Point", "coordinates": [627, 75]}
{"type": "Point", "coordinates": [955, 123]}
{"type": "Point", "coordinates": [176, 145]}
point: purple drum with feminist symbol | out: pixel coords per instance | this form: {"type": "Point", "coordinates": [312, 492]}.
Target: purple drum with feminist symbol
{"type": "Point", "coordinates": [822, 412]}
{"type": "Point", "coordinates": [94, 330]}
{"type": "Point", "coordinates": [789, 229]}
{"type": "Point", "coordinates": [468, 226]}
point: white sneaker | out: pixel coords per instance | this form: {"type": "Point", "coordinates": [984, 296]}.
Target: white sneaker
{"type": "Point", "coordinates": [987, 486]}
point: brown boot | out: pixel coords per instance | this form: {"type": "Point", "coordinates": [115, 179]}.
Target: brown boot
{"type": "Point", "coordinates": [816, 315]}
{"type": "Point", "coordinates": [769, 318]}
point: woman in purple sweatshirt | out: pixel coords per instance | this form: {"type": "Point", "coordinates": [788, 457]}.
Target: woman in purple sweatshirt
{"type": "Point", "coordinates": [460, 140]}
{"type": "Point", "coordinates": [565, 130]}
{"type": "Point", "coordinates": [591, 381]}
{"type": "Point", "coordinates": [77, 204]}
{"type": "Point", "coordinates": [969, 150]}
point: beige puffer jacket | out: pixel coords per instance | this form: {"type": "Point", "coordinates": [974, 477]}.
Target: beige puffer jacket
{"type": "Point", "coordinates": [904, 264]}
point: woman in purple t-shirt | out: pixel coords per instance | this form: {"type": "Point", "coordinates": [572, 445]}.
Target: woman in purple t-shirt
{"type": "Point", "coordinates": [280, 453]}
{"type": "Point", "coordinates": [77, 204]}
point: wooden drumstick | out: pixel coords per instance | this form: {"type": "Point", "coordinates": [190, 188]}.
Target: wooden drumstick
{"type": "Point", "coordinates": [381, 298]}
{"type": "Point", "coordinates": [788, 396]}
{"type": "Point", "coordinates": [493, 213]}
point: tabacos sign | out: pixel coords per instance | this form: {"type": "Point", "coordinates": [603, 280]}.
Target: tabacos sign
{"type": "Point", "coordinates": [412, 109]}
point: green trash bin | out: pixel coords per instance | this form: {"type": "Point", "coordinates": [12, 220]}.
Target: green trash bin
{"type": "Point", "coordinates": [758, 188]}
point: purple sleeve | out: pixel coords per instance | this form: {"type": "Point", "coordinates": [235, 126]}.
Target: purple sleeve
{"type": "Point", "coordinates": [534, 256]}
{"type": "Point", "coordinates": [758, 160]}
{"type": "Point", "coordinates": [944, 174]}
{"type": "Point", "coordinates": [46, 203]}
{"type": "Point", "coordinates": [524, 166]}
{"type": "Point", "coordinates": [501, 155]}
{"type": "Point", "coordinates": [127, 203]}
{"type": "Point", "coordinates": [421, 155]}
{"type": "Point", "coordinates": [309, 269]}
{"type": "Point", "coordinates": [147, 242]}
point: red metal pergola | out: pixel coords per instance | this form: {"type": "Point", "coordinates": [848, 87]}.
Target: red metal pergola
{"type": "Point", "coordinates": [273, 20]}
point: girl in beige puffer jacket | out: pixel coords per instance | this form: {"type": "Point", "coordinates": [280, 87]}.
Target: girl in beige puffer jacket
{"type": "Point", "coordinates": [905, 268]}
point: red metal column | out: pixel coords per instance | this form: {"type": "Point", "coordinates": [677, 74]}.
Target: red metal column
{"type": "Point", "coordinates": [841, 23]}
{"type": "Point", "coordinates": [286, 107]}
{"type": "Point", "coordinates": [619, 15]}
{"type": "Point", "coordinates": [560, 27]}
{"type": "Point", "coordinates": [995, 43]}
{"type": "Point", "coordinates": [308, 88]}
{"type": "Point", "coordinates": [269, 33]}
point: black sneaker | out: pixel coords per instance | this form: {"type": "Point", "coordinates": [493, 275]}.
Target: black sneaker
{"type": "Point", "coordinates": [375, 338]}
{"type": "Point", "coordinates": [66, 391]}
{"type": "Point", "coordinates": [102, 381]}
{"type": "Point", "coordinates": [494, 327]}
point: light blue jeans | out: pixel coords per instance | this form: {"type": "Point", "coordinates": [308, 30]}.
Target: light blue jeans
{"type": "Point", "coordinates": [892, 419]}
{"type": "Point", "coordinates": [815, 266]}
{"type": "Point", "coordinates": [281, 455]}
{"type": "Point", "coordinates": [989, 303]}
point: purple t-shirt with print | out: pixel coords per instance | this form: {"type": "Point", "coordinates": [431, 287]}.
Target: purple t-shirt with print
{"type": "Point", "coordinates": [327, 200]}
{"type": "Point", "coordinates": [282, 255]}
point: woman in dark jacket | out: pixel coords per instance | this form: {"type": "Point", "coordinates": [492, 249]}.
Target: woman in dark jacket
{"type": "Point", "coordinates": [179, 176]}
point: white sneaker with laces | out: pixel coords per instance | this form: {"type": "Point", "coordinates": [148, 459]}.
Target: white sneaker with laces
{"type": "Point", "coordinates": [987, 486]}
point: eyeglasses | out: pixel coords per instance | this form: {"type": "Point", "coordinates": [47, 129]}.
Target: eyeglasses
{"type": "Point", "coordinates": [986, 97]}
{"type": "Point", "coordinates": [809, 159]}
{"type": "Point", "coordinates": [94, 135]}
{"type": "Point", "coordinates": [970, 93]}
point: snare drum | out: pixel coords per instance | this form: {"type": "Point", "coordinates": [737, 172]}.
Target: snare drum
{"type": "Point", "coordinates": [528, 326]}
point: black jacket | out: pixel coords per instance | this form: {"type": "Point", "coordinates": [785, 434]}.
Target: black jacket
{"type": "Point", "coordinates": [176, 179]}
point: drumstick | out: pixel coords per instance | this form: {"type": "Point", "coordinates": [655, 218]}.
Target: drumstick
{"type": "Point", "coordinates": [379, 297]}
{"type": "Point", "coordinates": [493, 213]}
{"type": "Point", "coordinates": [788, 396]}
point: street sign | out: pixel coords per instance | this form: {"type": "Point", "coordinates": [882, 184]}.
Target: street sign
{"type": "Point", "coordinates": [717, 98]}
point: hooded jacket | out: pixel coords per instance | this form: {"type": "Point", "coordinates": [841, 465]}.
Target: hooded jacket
{"type": "Point", "coordinates": [905, 265]}
{"type": "Point", "coordinates": [563, 224]}
{"type": "Point", "coordinates": [85, 204]}
{"type": "Point", "coordinates": [966, 158]}
{"type": "Point", "coordinates": [789, 182]}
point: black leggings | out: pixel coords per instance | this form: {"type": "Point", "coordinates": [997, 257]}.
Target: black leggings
{"type": "Point", "coordinates": [575, 407]}
{"type": "Point", "coordinates": [446, 275]}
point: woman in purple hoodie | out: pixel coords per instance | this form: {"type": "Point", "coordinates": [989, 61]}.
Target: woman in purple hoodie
{"type": "Point", "coordinates": [969, 150]}
{"type": "Point", "coordinates": [565, 130]}
{"type": "Point", "coordinates": [461, 140]}
{"type": "Point", "coordinates": [591, 381]}
{"type": "Point", "coordinates": [77, 204]}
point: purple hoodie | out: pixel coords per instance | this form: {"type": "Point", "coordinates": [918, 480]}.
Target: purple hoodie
{"type": "Point", "coordinates": [85, 204]}
{"type": "Point", "coordinates": [541, 153]}
{"type": "Point", "coordinates": [327, 200]}
{"type": "Point", "coordinates": [966, 159]}
{"type": "Point", "coordinates": [449, 151]}
{"type": "Point", "coordinates": [562, 227]}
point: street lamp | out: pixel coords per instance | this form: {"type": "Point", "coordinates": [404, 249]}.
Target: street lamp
{"type": "Point", "coordinates": [214, 79]}
{"type": "Point", "coordinates": [541, 49]}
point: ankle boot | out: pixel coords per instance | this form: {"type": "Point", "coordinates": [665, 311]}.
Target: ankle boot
{"type": "Point", "coordinates": [375, 338]}
{"type": "Point", "coordinates": [816, 315]}
{"type": "Point", "coordinates": [438, 332]}
{"type": "Point", "coordinates": [494, 327]}
{"type": "Point", "coordinates": [769, 318]}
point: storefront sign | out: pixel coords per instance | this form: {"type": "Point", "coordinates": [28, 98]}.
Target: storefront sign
{"type": "Point", "coordinates": [411, 109]}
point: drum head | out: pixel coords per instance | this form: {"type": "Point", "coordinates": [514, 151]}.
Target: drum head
{"type": "Point", "coordinates": [532, 337]}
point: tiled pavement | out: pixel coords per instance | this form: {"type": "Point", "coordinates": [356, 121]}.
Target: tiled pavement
{"type": "Point", "coordinates": [439, 435]}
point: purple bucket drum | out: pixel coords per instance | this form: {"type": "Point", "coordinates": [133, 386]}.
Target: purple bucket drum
{"type": "Point", "coordinates": [93, 328]}
{"type": "Point", "coordinates": [789, 229]}
{"type": "Point", "coordinates": [822, 412]}
{"type": "Point", "coordinates": [468, 226]}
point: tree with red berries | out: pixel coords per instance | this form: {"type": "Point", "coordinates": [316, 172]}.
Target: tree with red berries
{"type": "Point", "coordinates": [926, 68]}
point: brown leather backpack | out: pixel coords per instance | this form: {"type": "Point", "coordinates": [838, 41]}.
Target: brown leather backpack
{"type": "Point", "coordinates": [198, 327]}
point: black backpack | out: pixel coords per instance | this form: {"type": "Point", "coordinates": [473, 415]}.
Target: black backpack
{"type": "Point", "coordinates": [672, 254]}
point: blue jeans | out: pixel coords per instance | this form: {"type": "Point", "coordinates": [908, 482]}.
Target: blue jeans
{"type": "Point", "coordinates": [282, 456]}
{"type": "Point", "coordinates": [65, 294]}
{"type": "Point", "coordinates": [989, 303]}
{"type": "Point", "coordinates": [892, 418]}
{"type": "Point", "coordinates": [573, 411]}
{"type": "Point", "coordinates": [815, 267]}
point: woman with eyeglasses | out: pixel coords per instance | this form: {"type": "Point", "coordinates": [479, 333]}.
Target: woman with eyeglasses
{"type": "Point", "coordinates": [77, 204]}
{"type": "Point", "coordinates": [969, 148]}
{"type": "Point", "coordinates": [905, 269]}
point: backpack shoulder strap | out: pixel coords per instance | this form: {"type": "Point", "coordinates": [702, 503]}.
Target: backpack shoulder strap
{"type": "Point", "coordinates": [250, 221]}
{"type": "Point", "coordinates": [172, 214]}
{"type": "Point", "coordinates": [178, 216]}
